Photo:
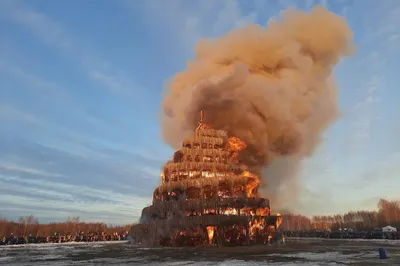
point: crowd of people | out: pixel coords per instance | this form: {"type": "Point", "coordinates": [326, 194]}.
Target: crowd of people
{"type": "Point", "coordinates": [63, 238]}
{"type": "Point", "coordinates": [345, 234]}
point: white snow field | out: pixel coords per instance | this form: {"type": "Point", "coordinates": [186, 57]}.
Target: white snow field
{"type": "Point", "coordinates": [293, 252]}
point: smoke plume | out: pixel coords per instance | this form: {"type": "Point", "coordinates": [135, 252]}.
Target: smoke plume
{"type": "Point", "coordinates": [271, 87]}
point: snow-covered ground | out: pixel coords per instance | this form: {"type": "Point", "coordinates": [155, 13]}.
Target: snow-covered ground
{"type": "Point", "coordinates": [376, 241]}
{"type": "Point", "coordinates": [294, 252]}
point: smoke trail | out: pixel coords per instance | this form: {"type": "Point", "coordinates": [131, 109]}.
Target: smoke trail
{"type": "Point", "coordinates": [271, 87]}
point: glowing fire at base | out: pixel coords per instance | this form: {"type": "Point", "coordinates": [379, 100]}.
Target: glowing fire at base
{"type": "Point", "coordinates": [210, 233]}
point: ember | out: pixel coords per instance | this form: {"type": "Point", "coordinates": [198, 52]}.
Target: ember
{"type": "Point", "coordinates": [206, 197]}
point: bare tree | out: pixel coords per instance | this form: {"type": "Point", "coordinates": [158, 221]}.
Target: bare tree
{"type": "Point", "coordinates": [75, 221]}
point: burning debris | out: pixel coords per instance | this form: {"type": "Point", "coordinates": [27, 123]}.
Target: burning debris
{"type": "Point", "coordinates": [207, 196]}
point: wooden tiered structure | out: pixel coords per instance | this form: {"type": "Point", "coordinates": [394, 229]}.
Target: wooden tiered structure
{"type": "Point", "coordinates": [205, 198]}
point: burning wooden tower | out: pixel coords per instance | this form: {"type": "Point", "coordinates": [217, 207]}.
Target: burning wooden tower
{"type": "Point", "coordinates": [207, 197]}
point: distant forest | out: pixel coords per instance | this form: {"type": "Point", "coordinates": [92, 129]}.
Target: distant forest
{"type": "Point", "coordinates": [30, 225]}
{"type": "Point", "coordinates": [388, 214]}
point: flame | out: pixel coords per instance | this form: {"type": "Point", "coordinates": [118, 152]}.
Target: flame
{"type": "Point", "coordinates": [256, 224]}
{"type": "Point", "coordinates": [273, 230]}
{"type": "Point", "coordinates": [230, 211]}
{"type": "Point", "coordinates": [245, 211]}
{"type": "Point", "coordinates": [210, 233]}
{"type": "Point", "coordinates": [210, 211]}
{"type": "Point", "coordinates": [262, 212]}
{"type": "Point", "coordinates": [235, 145]}
{"type": "Point", "coordinates": [208, 174]}
{"type": "Point", "coordinates": [278, 220]}
{"type": "Point", "coordinates": [254, 181]}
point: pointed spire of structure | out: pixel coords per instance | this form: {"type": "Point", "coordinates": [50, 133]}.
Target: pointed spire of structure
{"type": "Point", "coordinates": [201, 116]}
{"type": "Point", "coordinates": [200, 124]}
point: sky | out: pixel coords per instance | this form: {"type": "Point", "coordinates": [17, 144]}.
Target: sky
{"type": "Point", "coordinates": [81, 85]}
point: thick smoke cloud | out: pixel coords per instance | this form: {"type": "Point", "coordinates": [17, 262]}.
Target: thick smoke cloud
{"type": "Point", "coordinates": [271, 87]}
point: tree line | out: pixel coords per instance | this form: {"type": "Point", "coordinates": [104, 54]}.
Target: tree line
{"type": "Point", "coordinates": [388, 213]}
{"type": "Point", "coordinates": [30, 225]}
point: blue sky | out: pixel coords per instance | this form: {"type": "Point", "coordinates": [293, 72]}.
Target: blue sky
{"type": "Point", "coordinates": [81, 85]}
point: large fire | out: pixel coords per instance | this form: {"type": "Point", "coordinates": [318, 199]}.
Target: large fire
{"type": "Point", "coordinates": [235, 145]}
{"type": "Point", "coordinates": [206, 181]}
{"type": "Point", "coordinates": [245, 82]}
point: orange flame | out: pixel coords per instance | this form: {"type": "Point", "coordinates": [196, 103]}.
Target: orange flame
{"type": "Point", "coordinates": [262, 212]}
{"type": "Point", "coordinates": [235, 145]}
{"type": "Point", "coordinates": [230, 211]}
{"type": "Point", "coordinates": [254, 181]}
{"type": "Point", "coordinates": [256, 224]}
{"type": "Point", "coordinates": [278, 220]}
{"type": "Point", "coordinates": [210, 232]}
